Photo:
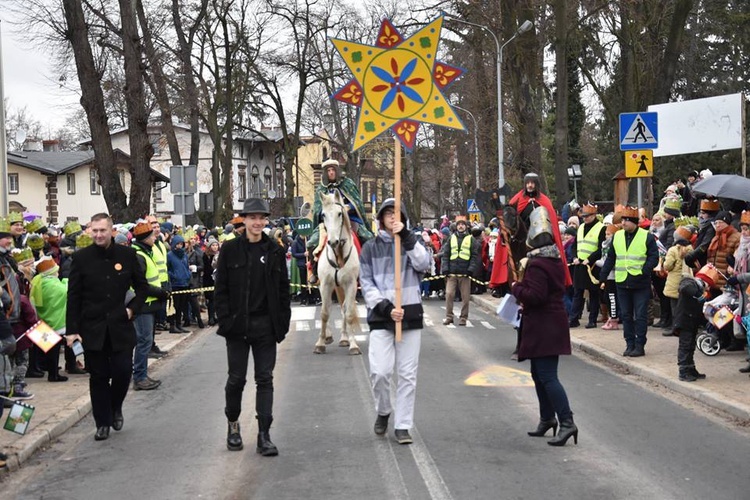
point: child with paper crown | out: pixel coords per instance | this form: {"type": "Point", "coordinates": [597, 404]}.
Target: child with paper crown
{"type": "Point", "coordinates": [49, 295]}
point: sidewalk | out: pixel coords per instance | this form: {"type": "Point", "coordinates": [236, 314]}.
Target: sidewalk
{"type": "Point", "coordinates": [724, 388]}
{"type": "Point", "coordinates": [60, 405]}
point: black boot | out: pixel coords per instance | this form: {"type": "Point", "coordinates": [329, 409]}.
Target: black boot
{"type": "Point", "coordinates": [234, 440]}
{"type": "Point", "coordinates": [686, 374]}
{"type": "Point", "coordinates": [544, 426]}
{"type": "Point", "coordinates": [742, 370]}
{"type": "Point", "coordinates": [567, 428]}
{"type": "Point", "coordinates": [697, 374]}
{"type": "Point", "coordinates": [265, 446]}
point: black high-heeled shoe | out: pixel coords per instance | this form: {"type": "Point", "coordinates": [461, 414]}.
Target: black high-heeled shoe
{"type": "Point", "coordinates": [543, 427]}
{"type": "Point", "coordinates": [567, 428]}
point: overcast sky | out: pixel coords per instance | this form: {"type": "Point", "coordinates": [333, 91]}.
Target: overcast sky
{"type": "Point", "coordinates": [29, 81]}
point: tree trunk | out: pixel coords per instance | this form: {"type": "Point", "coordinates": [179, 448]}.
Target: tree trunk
{"type": "Point", "coordinates": [562, 28]}
{"type": "Point", "coordinates": [92, 101]}
{"type": "Point", "coordinates": [184, 53]}
{"type": "Point", "coordinates": [141, 150]}
{"type": "Point", "coordinates": [672, 51]}
{"type": "Point", "coordinates": [158, 86]}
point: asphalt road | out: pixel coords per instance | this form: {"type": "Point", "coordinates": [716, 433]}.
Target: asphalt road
{"type": "Point", "coordinates": [474, 406]}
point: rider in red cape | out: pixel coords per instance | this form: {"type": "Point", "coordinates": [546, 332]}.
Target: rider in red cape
{"type": "Point", "coordinates": [525, 201]}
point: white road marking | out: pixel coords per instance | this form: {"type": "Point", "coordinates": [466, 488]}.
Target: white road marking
{"type": "Point", "coordinates": [488, 325]}
{"type": "Point", "coordinates": [303, 313]}
{"type": "Point", "coordinates": [302, 326]}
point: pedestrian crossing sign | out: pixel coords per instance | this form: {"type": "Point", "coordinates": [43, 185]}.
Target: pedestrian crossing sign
{"type": "Point", "coordinates": [639, 163]}
{"type": "Point", "coordinates": [638, 131]}
{"type": "Point", "coordinates": [474, 218]}
{"type": "Point", "coordinates": [471, 206]}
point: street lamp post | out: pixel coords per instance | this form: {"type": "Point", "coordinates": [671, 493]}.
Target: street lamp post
{"type": "Point", "coordinates": [575, 174]}
{"type": "Point", "coordinates": [526, 26]}
{"type": "Point", "coordinates": [476, 145]}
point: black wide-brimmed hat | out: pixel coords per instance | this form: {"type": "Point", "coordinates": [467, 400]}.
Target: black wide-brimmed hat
{"type": "Point", "coordinates": [255, 206]}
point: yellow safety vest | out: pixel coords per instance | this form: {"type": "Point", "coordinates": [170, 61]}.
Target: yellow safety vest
{"type": "Point", "coordinates": [588, 243]}
{"type": "Point", "coordinates": [159, 252]}
{"type": "Point", "coordinates": [630, 260]}
{"type": "Point", "coordinates": [464, 253]}
{"type": "Point", "coordinates": [152, 272]}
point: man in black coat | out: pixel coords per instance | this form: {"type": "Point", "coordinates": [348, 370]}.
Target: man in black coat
{"type": "Point", "coordinates": [253, 309]}
{"type": "Point", "coordinates": [97, 314]}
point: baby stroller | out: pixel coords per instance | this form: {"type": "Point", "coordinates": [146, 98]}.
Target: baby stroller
{"type": "Point", "coordinates": [722, 313]}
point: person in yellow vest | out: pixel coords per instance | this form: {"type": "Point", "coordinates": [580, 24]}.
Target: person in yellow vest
{"type": "Point", "coordinates": [460, 260]}
{"type": "Point", "coordinates": [159, 254]}
{"type": "Point", "coordinates": [587, 249]}
{"type": "Point", "coordinates": [633, 256]}
{"type": "Point", "coordinates": [144, 320]}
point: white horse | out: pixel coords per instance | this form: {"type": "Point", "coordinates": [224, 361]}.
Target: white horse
{"type": "Point", "coordinates": [338, 269]}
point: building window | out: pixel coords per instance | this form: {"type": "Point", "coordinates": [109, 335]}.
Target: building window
{"type": "Point", "coordinates": [94, 187]}
{"type": "Point", "coordinates": [267, 179]}
{"type": "Point", "coordinates": [242, 150]}
{"type": "Point", "coordinates": [13, 183]}
{"type": "Point", "coordinates": [325, 154]}
{"type": "Point", "coordinates": [155, 140]}
{"type": "Point", "coordinates": [364, 197]}
{"type": "Point", "coordinates": [157, 191]}
{"type": "Point", "coordinates": [260, 153]}
{"type": "Point", "coordinates": [255, 186]}
{"type": "Point", "coordinates": [71, 181]}
{"type": "Point", "coordinates": [242, 185]}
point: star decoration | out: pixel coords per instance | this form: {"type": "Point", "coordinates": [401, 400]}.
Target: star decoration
{"type": "Point", "coordinates": [398, 84]}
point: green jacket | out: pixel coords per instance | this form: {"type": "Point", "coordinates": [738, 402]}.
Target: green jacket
{"type": "Point", "coordinates": [348, 189]}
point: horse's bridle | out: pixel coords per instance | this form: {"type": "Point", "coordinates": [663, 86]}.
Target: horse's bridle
{"type": "Point", "coordinates": [333, 263]}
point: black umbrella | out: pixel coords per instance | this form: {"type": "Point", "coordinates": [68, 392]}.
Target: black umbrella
{"type": "Point", "coordinates": [734, 187]}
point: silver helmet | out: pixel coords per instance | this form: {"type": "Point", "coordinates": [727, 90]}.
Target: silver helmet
{"type": "Point", "coordinates": [540, 229]}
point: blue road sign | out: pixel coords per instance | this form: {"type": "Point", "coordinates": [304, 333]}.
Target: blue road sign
{"type": "Point", "coordinates": [638, 131]}
{"type": "Point", "coordinates": [472, 207]}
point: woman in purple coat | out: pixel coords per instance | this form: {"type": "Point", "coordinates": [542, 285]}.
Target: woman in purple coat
{"type": "Point", "coordinates": [544, 328]}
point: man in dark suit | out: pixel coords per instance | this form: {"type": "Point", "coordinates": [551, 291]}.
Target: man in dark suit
{"type": "Point", "coordinates": [253, 307]}
{"type": "Point", "coordinates": [97, 314]}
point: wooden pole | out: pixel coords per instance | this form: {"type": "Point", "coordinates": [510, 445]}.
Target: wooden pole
{"type": "Point", "coordinates": [744, 137]}
{"type": "Point", "coordinates": [397, 238]}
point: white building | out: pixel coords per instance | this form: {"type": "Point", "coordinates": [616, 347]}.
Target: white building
{"type": "Point", "coordinates": [62, 185]}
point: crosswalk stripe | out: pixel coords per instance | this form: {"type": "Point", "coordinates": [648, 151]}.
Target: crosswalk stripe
{"type": "Point", "coordinates": [302, 326]}
{"type": "Point", "coordinates": [488, 325]}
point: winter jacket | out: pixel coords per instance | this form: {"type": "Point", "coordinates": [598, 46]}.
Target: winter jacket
{"type": "Point", "coordinates": [177, 265]}
{"type": "Point", "coordinates": [460, 266]}
{"type": "Point", "coordinates": [234, 277]}
{"type": "Point", "coordinates": [376, 278]}
{"type": "Point", "coordinates": [674, 263]}
{"type": "Point", "coordinates": [10, 288]}
{"type": "Point", "coordinates": [718, 256]}
{"type": "Point", "coordinates": [99, 280]}
{"type": "Point", "coordinates": [298, 252]}
{"type": "Point", "coordinates": [642, 280]}
{"type": "Point", "coordinates": [544, 323]}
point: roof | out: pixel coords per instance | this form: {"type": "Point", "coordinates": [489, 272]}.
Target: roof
{"type": "Point", "coordinates": [61, 162]}
{"type": "Point", "coordinates": [265, 135]}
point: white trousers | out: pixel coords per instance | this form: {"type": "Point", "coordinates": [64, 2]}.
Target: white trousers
{"type": "Point", "coordinates": [385, 353]}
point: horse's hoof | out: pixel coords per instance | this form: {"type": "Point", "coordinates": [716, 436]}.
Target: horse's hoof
{"type": "Point", "coordinates": [344, 343]}
{"type": "Point", "coordinates": [354, 351]}
{"type": "Point", "coordinates": [329, 340]}
{"type": "Point", "coordinates": [319, 349]}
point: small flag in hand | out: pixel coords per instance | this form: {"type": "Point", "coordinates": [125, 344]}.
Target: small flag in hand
{"type": "Point", "coordinates": [43, 336]}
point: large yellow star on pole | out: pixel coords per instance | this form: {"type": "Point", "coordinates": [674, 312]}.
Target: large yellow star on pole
{"type": "Point", "coordinates": [397, 84]}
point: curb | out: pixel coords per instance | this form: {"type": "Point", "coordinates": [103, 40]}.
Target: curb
{"type": "Point", "coordinates": [56, 425]}
{"type": "Point", "coordinates": [709, 398]}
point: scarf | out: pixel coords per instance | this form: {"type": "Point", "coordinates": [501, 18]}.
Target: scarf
{"type": "Point", "coordinates": [741, 255]}
{"type": "Point", "coordinates": [548, 251]}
